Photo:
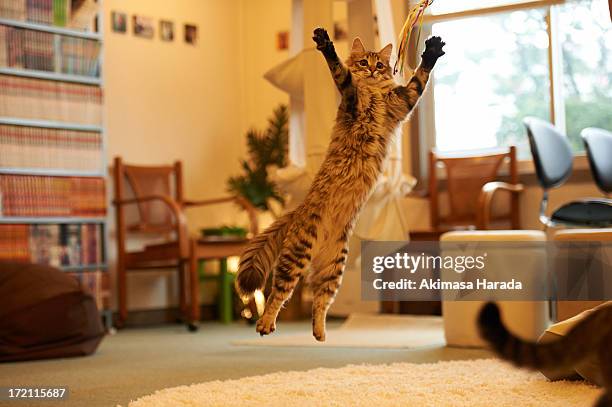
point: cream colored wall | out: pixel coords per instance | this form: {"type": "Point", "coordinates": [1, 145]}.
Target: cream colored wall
{"type": "Point", "coordinates": [261, 21]}
{"type": "Point", "coordinates": [169, 100]}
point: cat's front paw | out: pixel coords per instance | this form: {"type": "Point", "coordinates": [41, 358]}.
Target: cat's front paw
{"type": "Point", "coordinates": [322, 39]}
{"type": "Point", "coordinates": [433, 51]}
{"type": "Point", "coordinates": [265, 326]}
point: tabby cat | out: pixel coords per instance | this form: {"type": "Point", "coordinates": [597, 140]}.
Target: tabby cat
{"type": "Point", "coordinates": [316, 233]}
{"type": "Point", "coordinates": [590, 336]}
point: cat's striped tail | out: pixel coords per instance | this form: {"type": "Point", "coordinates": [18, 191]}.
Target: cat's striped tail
{"type": "Point", "coordinates": [259, 257]}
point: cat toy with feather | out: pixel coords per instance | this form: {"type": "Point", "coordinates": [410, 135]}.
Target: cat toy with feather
{"type": "Point", "coordinates": [415, 16]}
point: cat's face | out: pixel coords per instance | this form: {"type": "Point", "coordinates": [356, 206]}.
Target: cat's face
{"type": "Point", "coordinates": [372, 67]}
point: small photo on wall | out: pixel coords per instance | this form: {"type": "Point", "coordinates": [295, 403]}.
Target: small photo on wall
{"type": "Point", "coordinates": [143, 26]}
{"type": "Point", "coordinates": [191, 34]}
{"type": "Point", "coordinates": [119, 22]}
{"type": "Point", "coordinates": [166, 30]}
{"type": "Point", "coordinates": [282, 40]}
{"type": "Point", "coordinates": [341, 30]}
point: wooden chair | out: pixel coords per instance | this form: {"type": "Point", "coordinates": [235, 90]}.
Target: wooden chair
{"type": "Point", "coordinates": [471, 183]}
{"type": "Point", "coordinates": [154, 194]}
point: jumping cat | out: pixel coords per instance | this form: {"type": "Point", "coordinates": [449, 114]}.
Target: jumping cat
{"type": "Point", "coordinates": [590, 336]}
{"type": "Point", "coordinates": [316, 233]}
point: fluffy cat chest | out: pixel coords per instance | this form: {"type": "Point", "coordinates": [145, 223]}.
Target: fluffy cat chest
{"type": "Point", "coordinates": [370, 107]}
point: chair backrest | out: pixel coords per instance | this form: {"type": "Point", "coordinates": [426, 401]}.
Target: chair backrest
{"type": "Point", "coordinates": [135, 181]}
{"type": "Point", "coordinates": [465, 177]}
{"type": "Point", "coordinates": [551, 151]}
{"type": "Point", "coordinates": [598, 143]}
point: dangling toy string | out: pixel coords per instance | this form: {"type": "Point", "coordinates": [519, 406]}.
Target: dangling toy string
{"type": "Point", "coordinates": [415, 15]}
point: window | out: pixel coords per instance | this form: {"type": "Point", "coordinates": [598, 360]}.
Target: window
{"type": "Point", "coordinates": [498, 70]}
{"type": "Point", "coordinates": [585, 32]}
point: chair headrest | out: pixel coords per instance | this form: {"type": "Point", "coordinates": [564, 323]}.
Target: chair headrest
{"type": "Point", "coordinates": [551, 151]}
{"type": "Point", "coordinates": [598, 143]}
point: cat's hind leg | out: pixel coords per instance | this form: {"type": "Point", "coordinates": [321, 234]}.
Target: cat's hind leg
{"type": "Point", "coordinates": [325, 280]}
{"type": "Point", "coordinates": [292, 261]}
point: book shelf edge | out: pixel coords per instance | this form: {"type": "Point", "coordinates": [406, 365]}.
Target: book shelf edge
{"type": "Point", "coordinates": [51, 76]}
{"type": "Point", "coordinates": [48, 172]}
{"type": "Point", "coordinates": [70, 32]}
{"type": "Point", "coordinates": [49, 124]}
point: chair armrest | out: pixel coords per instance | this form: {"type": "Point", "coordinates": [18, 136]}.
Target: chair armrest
{"type": "Point", "coordinates": [245, 204]}
{"type": "Point", "coordinates": [175, 209]}
{"type": "Point", "coordinates": [488, 191]}
{"type": "Point", "coordinates": [204, 202]}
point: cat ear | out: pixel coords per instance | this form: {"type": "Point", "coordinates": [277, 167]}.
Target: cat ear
{"type": "Point", "coordinates": [357, 46]}
{"type": "Point", "coordinates": [385, 53]}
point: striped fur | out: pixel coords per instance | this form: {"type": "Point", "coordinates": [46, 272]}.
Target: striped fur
{"type": "Point", "coordinates": [315, 237]}
{"type": "Point", "coordinates": [591, 336]}
{"type": "Point", "coordinates": [259, 257]}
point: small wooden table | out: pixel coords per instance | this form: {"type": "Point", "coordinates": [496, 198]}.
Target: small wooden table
{"type": "Point", "coordinates": [214, 248]}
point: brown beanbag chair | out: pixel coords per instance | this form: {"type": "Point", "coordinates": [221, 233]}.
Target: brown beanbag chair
{"type": "Point", "coordinates": [45, 314]}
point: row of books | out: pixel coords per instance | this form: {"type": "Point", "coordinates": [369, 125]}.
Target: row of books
{"type": "Point", "coordinates": [51, 12]}
{"type": "Point", "coordinates": [42, 51]}
{"type": "Point", "coordinates": [68, 246]}
{"type": "Point", "coordinates": [50, 100]}
{"type": "Point", "coordinates": [41, 148]}
{"type": "Point", "coordinates": [25, 195]}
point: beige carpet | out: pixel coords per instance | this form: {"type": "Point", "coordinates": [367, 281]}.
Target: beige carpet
{"type": "Point", "coordinates": [363, 331]}
{"type": "Point", "coordinates": [484, 382]}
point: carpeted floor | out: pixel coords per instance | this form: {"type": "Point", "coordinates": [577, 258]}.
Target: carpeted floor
{"type": "Point", "coordinates": [474, 383]}
{"type": "Point", "coordinates": [137, 362]}
{"type": "Point", "coordinates": [365, 331]}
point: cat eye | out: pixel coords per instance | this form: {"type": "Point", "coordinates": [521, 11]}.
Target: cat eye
{"type": "Point", "coordinates": [379, 65]}
{"type": "Point", "coordinates": [363, 62]}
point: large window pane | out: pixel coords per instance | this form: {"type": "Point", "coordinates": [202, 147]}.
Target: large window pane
{"type": "Point", "coordinates": [586, 41]}
{"type": "Point", "coordinates": [494, 74]}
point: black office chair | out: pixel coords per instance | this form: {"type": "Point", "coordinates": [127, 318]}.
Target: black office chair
{"type": "Point", "coordinates": [553, 158]}
{"type": "Point", "coordinates": [598, 143]}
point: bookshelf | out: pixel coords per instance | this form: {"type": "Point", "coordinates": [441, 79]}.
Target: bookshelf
{"type": "Point", "coordinates": [53, 165]}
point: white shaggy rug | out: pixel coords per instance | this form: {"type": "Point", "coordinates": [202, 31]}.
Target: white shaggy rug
{"type": "Point", "coordinates": [474, 383]}
{"type": "Point", "coordinates": [363, 331]}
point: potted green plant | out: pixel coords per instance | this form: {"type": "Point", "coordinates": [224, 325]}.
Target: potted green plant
{"type": "Point", "coordinates": [266, 148]}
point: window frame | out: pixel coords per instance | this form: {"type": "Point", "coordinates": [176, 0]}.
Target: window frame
{"type": "Point", "coordinates": [426, 114]}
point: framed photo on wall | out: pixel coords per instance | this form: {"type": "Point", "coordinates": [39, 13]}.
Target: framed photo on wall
{"type": "Point", "coordinates": [143, 26]}
{"type": "Point", "coordinates": [119, 22]}
{"type": "Point", "coordinates": [191, 34]}
{"type": "Point", "coordinates": [282, 40]}
{"type": "Point", "coordinates": [166, 30]}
